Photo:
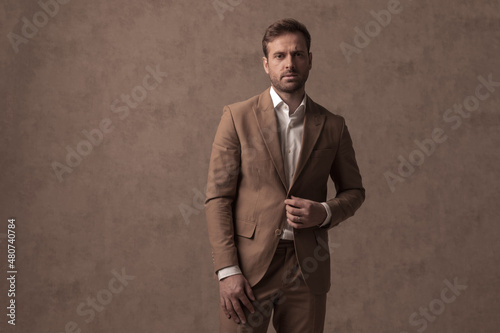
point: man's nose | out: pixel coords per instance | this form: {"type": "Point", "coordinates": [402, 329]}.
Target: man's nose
{"type": "Point", "coordinates": [289, 62]}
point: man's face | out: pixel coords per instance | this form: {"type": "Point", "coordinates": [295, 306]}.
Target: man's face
{"type": "Point", "coordinates": [288, 62]}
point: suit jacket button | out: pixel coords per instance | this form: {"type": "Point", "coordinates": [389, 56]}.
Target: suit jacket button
{"type": "Point", "coordinates": [277, 232]}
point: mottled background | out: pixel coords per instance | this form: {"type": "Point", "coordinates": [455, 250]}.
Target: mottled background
{"type": "Point", "coordinates": [134, 203]}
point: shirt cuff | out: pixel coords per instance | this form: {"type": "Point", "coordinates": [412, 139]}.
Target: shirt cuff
{"type": "Point", "coordinates": [228, 271]}
{"type": "Point", "coordinates": [328, 215]}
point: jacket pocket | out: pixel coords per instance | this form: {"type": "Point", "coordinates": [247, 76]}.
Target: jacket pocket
{"type": "Point", "coordinates": [244, 228]}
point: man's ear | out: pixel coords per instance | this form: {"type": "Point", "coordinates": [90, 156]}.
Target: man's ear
{"type": "Point", "coordinates": [265, 63]}
{"type": "Point", "coordinates": [310, 60]}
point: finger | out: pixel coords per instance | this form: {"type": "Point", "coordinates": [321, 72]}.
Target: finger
{"type": "Point", "coordinates": [291, 202]}
{"type": "Point", "coordinates": [232, 312]}
{"type": "Point", "coordinates": [294, 225]}
{"type": "Point", "coordinates": [239, 311]}
{"type": "Point", "coordinates": [224, 309]}
{"type": "Point", "coordinates": [249, 291]}
{"type": "Point", "coordinates": [298, 201]}
{"type": "Point", "coordinates": [295, 218]}
{"type": "Point", "coordinates": [294, 210]}
{"type": "Point", "coordinates": [247, 304]}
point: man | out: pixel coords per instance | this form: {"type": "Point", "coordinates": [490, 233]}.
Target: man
{"type": "Point", "coordinates": [267, 184]}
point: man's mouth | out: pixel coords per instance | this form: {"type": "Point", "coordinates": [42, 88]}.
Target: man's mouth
{"type": "Point", "coordinates": [289, 75]}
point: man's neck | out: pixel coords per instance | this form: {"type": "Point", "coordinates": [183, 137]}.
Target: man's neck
{"type": "Point", "coordinates": [293, 100]}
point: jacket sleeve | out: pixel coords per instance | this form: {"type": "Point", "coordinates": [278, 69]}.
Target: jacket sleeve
{"type": "Point", "coordinates": [345, 174]}
{"type": "Point", "coordinates": [223, 174]}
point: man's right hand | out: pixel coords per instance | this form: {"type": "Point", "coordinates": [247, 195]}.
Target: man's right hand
{"type": "Point", "coordinates": [234, 291]}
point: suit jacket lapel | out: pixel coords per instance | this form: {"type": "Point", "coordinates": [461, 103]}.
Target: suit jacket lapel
{"type": "Point", "coordinates": [268, 127]}
{"type": "Point", "coordinates": [313, 124]}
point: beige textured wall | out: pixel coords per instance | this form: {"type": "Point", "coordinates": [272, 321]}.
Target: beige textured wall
{"type": "Point", "coordinates": [133, 204]}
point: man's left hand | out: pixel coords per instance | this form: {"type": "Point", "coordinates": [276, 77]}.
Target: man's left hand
{"type": "Point", "coordinates": [303, 213]}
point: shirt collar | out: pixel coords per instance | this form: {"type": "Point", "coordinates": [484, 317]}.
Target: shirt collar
{"type": "Point", "coordinates": [278, 102]}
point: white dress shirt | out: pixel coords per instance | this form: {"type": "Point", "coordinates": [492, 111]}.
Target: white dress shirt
{"type": "Point", "coordinates": [291, 127]}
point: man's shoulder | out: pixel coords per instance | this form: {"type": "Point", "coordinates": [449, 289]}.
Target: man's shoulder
{"type": "Point", "coordinates": [330, 116]}
{"type": "Point", "coordinates": [248, 105]}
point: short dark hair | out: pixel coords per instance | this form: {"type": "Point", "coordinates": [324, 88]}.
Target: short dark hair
{"type": "Point", "coordinates": [282, 27]}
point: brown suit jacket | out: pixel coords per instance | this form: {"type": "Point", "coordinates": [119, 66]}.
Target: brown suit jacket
{"type": "Point", "coordinates": [247, 186]}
